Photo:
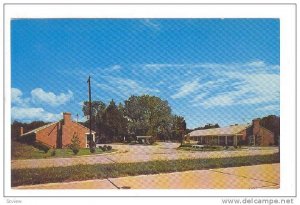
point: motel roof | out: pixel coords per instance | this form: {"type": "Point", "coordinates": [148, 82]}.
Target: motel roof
{"type": "Point", "coordinates": [48, 125]}
{"type": "Point", "coordinates": [222, 131]}
{"type": "Point", "coordinates": [39, 128]}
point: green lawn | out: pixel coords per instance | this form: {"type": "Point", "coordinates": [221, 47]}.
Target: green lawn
{"type": "Point", "coordinates": [24, 151]}
{"type": "Point", "coordinates": [102, 171]}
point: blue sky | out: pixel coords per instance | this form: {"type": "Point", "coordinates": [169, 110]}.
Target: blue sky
{"type": "Point", "coordinates": [222, 71]}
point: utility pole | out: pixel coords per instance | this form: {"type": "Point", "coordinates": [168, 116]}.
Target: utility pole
{"type": "Point", "coordinates": [90, 113]}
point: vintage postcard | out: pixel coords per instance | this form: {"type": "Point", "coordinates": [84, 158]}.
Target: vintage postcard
{"type": "Point", "coordinates": [145, 103]}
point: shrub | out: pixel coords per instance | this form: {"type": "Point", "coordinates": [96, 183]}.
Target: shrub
{"type": "Point", "coordinates": [104, 148]}
{"type": "Point", "coordinates": [93, 144]}
{"type": "Point", "coordinates": [242, 143]}
{"type": "Point", "coordinates": [92, 149]}
{"type": "Point", "coordinates": [53, 153]}
{"type": "Point", "coordinates": [75, 143]}
{"type": "Point", "coordinates": [129, 139]}
{"type": "Point", "coordinates": [109, 148]}
{"type": "Point", "coordinates": [186, 145]}
{"type": "Point", "coordinates": [28, 139]}
{"type": "Point", "coordinates": [100, 147]}
{"type": "Point", "coordinates": [151, 140]}
{"type": "Point", "coordinates": [41, 146]}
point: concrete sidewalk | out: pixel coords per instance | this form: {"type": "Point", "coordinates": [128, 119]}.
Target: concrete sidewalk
{"type": "Point", "coordinates": [266, 176]}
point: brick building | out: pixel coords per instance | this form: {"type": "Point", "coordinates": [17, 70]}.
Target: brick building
{"type": "Point", "coordinates": [253, 134]}
{"type": "Point", "coordinates": [59, 134]}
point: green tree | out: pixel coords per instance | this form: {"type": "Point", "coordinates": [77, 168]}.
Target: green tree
{"type": "Point", "coordinates": [15, 127]}
{"type": "Point", "coordinates": [146, 114]}
{"type": "Point", "coordinates": [272, 123]}
{"type": "Point", "coordinates": [115, 124]}
{"type": "Point", "coordinates": [98, 109]}
{"type": "Point", "coordinates": [134, 111]}
{"type": "Point", "coordinates": [178, 128]}
{"type": "Point", "coordinates": [123, 123]}
{"type": "Point", "coordinates": [75, 143]}
{"type": "Point", "coordinates": [208, 126]}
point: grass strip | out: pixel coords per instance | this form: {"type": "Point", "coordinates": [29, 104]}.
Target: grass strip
{"type": "Point", "coordinates": [101, 171]}
{"type": "Point", "coordinates": [23, 151]}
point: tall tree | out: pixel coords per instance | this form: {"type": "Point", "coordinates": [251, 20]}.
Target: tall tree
{"type": "Point", "coordinates": [208, 126]}
{"type": "Point", "coordinates": [146, 114]}
{"type": "Point", "coordinates": [178, 128]}
{"type": "Point", "coordinates": [272, 123]}
{"type": "Point", "coordinates": [15, 127]}
{"type": "Point", "coordinates": [134, 111]}
{"type": "Point", "coordinates": [98, 109]}
{"type": "Point", "coordinates": [115, 123]}
{"type": "Point", "coordinates": [123, 124]}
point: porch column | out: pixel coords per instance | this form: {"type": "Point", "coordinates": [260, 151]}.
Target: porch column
{"type": "Point", "coordinates": [218, 140]}
{"type": "Point", "coordinates": [226, 140]}
{"type": "Point", "coordinates": [235, 140]}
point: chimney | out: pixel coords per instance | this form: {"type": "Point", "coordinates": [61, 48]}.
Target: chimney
{"type": "Point", "coordinates": [256, 125]}
{"type": "Point", "coordinates": [21, 131]}
{"type": "Point", "coordinates": [67, 118]}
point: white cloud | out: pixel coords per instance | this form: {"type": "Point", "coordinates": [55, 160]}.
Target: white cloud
{"type": "Point", "coordinates": [240, 84]}
{"type": "Point", "coordinates": [268, 108]}
{"type": "Point", "coordinates": [256, 64]}
{"type": "Point", "coordinates": [150, 23]}
{"type": "Point", "coordinates": [251, 82]}
{"type": "Point", "coordinates": [109, 69]}
{"type": "Point", "coordinates": [115, 68]}
{"type": "Point", "coordinates": [40, 96]}
{"type": "Point", "coordinates": [23, 109]}
{"type": "Point", "coordinates": [257, 88]}
{"type": "Point", "coordinates": [243, 68]}
{"type": "Point", "coordinates": [31, 114]}
{"type": "Point", "coordinates": [186, 89]}
{"type": "Point", "coordinates": [248, 67]}
{"type": "Point", "coordinates": [16, 97]}
{"type": "Point", "coordinates": [199, 97]}
{"type": "Point", "coordinates": [220, 100]}
{"type": "Point", "coordinates": [124, 87]}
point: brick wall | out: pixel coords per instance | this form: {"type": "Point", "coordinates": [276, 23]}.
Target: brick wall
{"type": "Point", "coordinates": [69, 129]}
{"type": "Point", "coordinates": [48, 135]}
{"type": "Point", "coordinates": [267, 137]}
{"type": "Point", "coordinates": [59, 135]}
{"type": "Point", "coordinates": [256, 126]}
{"type": "Point", "coordinates": [264, 137]}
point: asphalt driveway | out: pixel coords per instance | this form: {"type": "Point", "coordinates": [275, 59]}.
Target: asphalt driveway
{"type": "Point", "coordinates": [140, 153]}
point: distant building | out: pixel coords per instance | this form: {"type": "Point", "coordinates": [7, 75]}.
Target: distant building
{"type": "Point", "coordinates": [59, 134]}
{"type": "Point", "coordinates": [234, 135]}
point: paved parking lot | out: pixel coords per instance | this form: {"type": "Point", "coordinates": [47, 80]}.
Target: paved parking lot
{"type": "Point", "coordinates": [140, 153]}
{"type": "Point", "coordinates": [265, 176]}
